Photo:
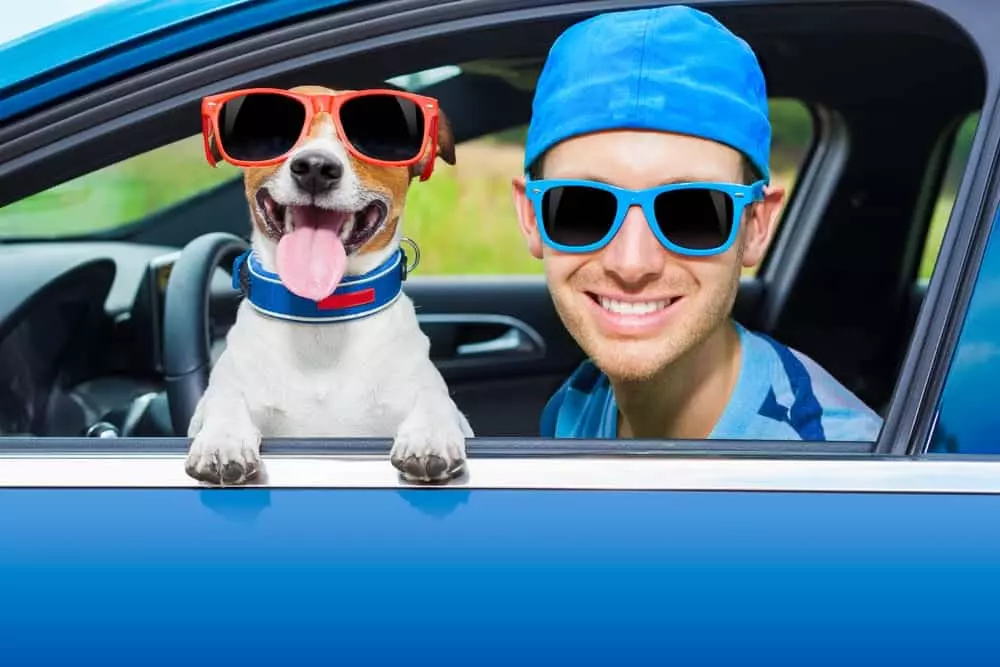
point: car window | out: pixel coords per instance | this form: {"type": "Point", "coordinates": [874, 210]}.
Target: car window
{"type": "Point", "coordinates": [129, 191]}
{"type": "Point", "coordinates": [118, 195]}
{"type": "Point", "coordinates": [466, 216]}
{"type": "Point", "coordinates": [961, 146]}
{"type": "Point", "coordinates": [968, 420]}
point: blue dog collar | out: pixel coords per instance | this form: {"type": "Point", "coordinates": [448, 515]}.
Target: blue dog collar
{"type": "Point", "coordinates": [355, 297]}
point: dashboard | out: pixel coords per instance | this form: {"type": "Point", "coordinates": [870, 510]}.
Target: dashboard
{"type": "Point", "coordinates": [81, 336]}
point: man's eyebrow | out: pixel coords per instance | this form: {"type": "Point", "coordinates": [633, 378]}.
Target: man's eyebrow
{"type": "Point", "coordinates": [687, 178]}
{"type": "Point", "coordinates": [585, 176]}
{"type": "Point", "coordinates": [695, 178]}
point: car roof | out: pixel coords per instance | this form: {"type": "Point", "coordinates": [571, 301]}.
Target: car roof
{"type": "Point", "coordinates": [78, 50]}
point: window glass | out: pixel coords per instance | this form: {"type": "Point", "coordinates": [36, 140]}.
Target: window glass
{"type": "Point", "coordinates": [969, 421]}
{"type": "Point", "coordinates": [946, 195]}
{"type": "Point", "coordinates": [117, 195]}
{"type": "Point", "coordinates": [464, 216]}
{"type": "Point", "coordinates": [130, 190]}
{"type": "Point", "coordinates": [792, 134]}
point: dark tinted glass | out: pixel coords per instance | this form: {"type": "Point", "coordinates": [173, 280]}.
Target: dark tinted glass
{"type": "Point", "coordinates": [698, 219]}
{"type": "Point", "coordinates": [260, 126]}
{"type": "Point", "coordinates": [577, 215]}
{"type": "Point", "coordinates": [383, 127]}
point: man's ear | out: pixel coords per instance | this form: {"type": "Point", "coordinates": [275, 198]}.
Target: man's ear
{"type": "Point", "coordinates": [445, 146]}
{"type": "Point", "coordinates": [526, 218]}
{"type": "Point", "coordinates": [761, 222]}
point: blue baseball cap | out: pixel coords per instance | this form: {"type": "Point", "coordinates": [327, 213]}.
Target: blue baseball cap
{"type": "Point", "coordinates": [673, 69]}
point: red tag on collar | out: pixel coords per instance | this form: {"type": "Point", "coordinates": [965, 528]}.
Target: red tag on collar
{"type": "Point", "coordinates": [349, 300]}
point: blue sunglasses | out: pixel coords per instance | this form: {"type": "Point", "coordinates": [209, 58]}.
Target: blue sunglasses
{"type": "Point", "coordinates": [696, 219]}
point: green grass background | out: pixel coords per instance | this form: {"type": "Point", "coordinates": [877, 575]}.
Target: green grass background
{"type": "Point", "coordinates": [462, 218]}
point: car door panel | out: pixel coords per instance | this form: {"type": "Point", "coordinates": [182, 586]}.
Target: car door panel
{"type": "Point", "coordinates": [499, 345]}
{"type": "Point", "coordinates": [296, 576]}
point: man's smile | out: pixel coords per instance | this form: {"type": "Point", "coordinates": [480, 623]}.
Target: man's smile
{"type": "Point", "coordinates": [630, 315]}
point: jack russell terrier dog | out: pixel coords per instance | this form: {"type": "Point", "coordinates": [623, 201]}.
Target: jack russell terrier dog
{"type": "Point", "coordinates": [325, 343]}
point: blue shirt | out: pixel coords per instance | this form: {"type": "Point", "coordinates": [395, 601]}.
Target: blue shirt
{"type": "Point", "coordinates": [780, 394]}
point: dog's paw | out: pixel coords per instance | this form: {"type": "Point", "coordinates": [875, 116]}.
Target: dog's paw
{"type": "Point", "coordinates": [424, 454]}
{"type": "Point", "coordinates": [223, 458]}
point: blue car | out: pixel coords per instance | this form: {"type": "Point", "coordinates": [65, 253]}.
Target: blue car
{"type": "Point", "coordinates": [116, 239]}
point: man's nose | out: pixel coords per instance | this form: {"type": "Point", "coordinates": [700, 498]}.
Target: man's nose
{"type": "Point", "coordinates": [634, 255]}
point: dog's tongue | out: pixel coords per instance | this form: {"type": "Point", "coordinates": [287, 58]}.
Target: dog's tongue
{"type": "Point", "coordinates": [311, 259]}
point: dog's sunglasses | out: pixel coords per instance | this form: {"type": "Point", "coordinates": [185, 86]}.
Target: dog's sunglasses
{"type": "Point", "coordinates": [257, 127]}
{"type": "Point", "coordinates": [696, 219]}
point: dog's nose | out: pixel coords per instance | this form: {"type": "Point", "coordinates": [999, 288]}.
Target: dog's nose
{"type": "Point", "coordinates": [316, 172]}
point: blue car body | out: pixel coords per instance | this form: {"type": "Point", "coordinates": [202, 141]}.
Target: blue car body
{"type": "Point", "coordinates": [483, 577]}
{"type": "Point", "coordinates": [815, 560]}
{"type": "Point", "coordinates": [124, 36]}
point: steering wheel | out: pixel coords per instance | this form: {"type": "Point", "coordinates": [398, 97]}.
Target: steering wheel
{"type": "Point", "coordinates": [186, 333]}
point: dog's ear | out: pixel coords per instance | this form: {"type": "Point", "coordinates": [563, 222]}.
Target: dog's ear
{"type": "Point", "coordinates": [445, 139]}
{"type": "Point", "coordinates": [445, 146]}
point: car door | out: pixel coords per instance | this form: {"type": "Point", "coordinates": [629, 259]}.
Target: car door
{"type": "Point", "coordinates": [620, 552]}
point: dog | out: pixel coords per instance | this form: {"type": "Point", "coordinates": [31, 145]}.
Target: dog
{"type": "Point", "coordinates": [364, 377]}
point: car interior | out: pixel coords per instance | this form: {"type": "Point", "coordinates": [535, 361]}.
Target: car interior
{"type": "Point", "coordinates": [85, 321]}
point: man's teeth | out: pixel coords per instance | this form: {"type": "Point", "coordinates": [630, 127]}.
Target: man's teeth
{"type": "Point", "coordinates": [632, 307]}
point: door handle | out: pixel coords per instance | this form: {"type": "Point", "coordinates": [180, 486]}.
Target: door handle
{"type": "Point", "coordinates": [460, 337]}
{"type": "Point", "coordinates": [512, 341]}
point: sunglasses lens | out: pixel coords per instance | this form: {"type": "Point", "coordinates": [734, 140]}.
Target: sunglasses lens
{"type": "Point", "coordinates": [384, 127]}
{"type": "Point", "coordinates": [697, 218]}
{"type": "Point", "coordinates": [260, 126]}
{"type": "Point", "coordinates": [577, 215]}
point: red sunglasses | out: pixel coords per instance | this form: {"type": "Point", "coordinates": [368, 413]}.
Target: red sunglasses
{"type": "Point", "coordinates": [257, 127]}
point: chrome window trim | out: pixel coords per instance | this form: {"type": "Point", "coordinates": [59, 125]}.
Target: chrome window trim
{"type": "Point", "coordinates": [959, 475]}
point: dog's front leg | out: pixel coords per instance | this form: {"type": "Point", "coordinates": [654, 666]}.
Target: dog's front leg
{"type": "Point", "coordinates": [430, 443]}
{"type": "Point", "coordinates": [226, 445]}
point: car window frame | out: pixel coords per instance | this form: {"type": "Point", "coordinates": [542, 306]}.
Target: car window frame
{"type": "Point", "coordinates": [981, 282]}
{"type": "Point", "coordinates": [914, 411]}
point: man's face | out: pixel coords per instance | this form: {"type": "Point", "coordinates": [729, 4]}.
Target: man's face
{"type": "Point", "coordinates": [633, 306]}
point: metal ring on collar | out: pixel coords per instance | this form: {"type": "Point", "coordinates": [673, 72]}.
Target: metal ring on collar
{"type": "Point", "coordinates": [416, 254]}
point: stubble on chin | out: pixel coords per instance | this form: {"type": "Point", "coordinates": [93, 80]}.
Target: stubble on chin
{"type": "Point", "coordinates": [629, 360]}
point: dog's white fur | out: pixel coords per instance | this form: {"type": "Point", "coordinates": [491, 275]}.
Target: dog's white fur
{"type": "Point", "coordinates": [370, 377]}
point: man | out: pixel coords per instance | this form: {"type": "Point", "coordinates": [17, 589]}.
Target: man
{"type": "Point", "coordinates": [644, 276]}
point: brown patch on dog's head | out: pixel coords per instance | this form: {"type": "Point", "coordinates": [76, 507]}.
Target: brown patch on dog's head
{"type": "Point", "coordinates": [394, 182]}
{"type": "Point", "coordinates": [253, 178]}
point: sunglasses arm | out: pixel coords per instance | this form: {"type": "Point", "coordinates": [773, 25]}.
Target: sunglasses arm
{"type": "Point", "coordinates": [432, 150]}
{"type": "Point", "coordinates": [206, 134]}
